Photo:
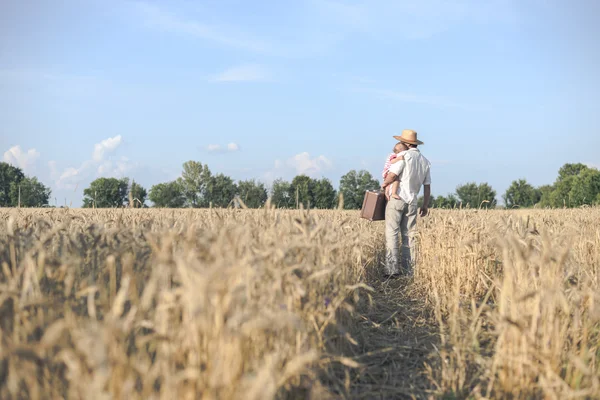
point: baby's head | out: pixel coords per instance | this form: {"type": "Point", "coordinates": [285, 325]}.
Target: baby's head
{"type": "Point", "coordinates": [400, 147]}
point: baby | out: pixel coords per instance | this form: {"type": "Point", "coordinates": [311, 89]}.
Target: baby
{"type": "Point", "coordinates": [397, 155]}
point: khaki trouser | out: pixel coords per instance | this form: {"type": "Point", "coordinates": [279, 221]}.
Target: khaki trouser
{"type": "Point", "coordinates": [400, 218]}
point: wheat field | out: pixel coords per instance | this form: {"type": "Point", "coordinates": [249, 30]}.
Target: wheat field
{"type": "Point", "coordinates": [272, 304]}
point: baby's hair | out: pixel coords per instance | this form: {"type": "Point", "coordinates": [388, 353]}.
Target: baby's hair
{"type": "Point", "coordinates": [396, 150]}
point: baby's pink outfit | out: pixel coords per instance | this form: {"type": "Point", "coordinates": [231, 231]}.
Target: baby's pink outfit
{"type": "Point", "coordinates": [386, 168]}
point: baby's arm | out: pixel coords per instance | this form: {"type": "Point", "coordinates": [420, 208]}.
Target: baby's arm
{"type": "Point", "coordinates": [398, 158]}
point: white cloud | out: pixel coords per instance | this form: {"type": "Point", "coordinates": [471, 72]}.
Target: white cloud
{"type": "Point", "coordinates": [233, 147]}
{"type": "Point", "coordinates": [217, 148]}
{"type": "Point", "coordinates": [243, 73]}
{"type": "Point", "coordinates": [71, 176]}
{"type": "Point", "coordinates": [21, 159]}
{"type": "Point", "coordinates": [98, 165]}
{"type": "Point", "coordinates": [114, 169]}
{"type": "Point", "coordinates": [70, 173]}
{"type": "Point", "coordinates": [166, 21]}
{"type": "Point", "coordinates": [300, 164]}
{"type": "Point", "coordinates": [105, 146]}
{"type": "Point", "coordinates": [304, 164]}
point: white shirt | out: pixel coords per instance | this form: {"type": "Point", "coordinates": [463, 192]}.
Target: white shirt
{"type": "Point", "coordinates": [413, 172]}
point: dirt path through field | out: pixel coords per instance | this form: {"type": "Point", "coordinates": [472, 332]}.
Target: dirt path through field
{"type": "Point", "coordinates": [399, 336]}
{"type": "Point", "coordinates": [395, 337]}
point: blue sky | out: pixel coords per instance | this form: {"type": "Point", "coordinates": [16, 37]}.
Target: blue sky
{"type": "Point", "coordinates": [498, 90]}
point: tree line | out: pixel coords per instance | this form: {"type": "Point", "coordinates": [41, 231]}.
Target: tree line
{"type": "Point", "coordinates": [18, 190]}
{"type": "Point", "coordinates": [576, 185]}
{"type": "Point", "coordinates": [197, 187]}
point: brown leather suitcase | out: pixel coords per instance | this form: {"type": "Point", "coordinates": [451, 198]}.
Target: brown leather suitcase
{"type": "Point", "coordinates": [373, 207]}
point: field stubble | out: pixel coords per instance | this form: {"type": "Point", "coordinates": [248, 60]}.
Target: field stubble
{"type": "Point", "coordinates": [220, 304]}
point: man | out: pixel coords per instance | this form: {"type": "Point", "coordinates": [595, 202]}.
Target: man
{"type": "Point", "coordinates": [401, 214]}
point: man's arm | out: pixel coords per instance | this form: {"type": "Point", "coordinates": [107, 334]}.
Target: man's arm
{"type": "Point", "coordinates": [426, 193]}
{"type": "Point", "coordinates": [426, 196]}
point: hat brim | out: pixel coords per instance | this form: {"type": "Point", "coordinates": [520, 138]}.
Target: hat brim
{"type": "Point", "coordinates": [401, 139]}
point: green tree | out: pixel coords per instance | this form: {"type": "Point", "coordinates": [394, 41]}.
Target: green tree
{"type": "Point", "coordinates": [576, 185]}
{"type": "Point", "coordinates": [477, 195]}
{"type": "Point", "coordinates": [561, 195]}
{"type": "Point", "coordinates": [325, 196]}
{"type": "Point", "coordinates": [10, 177]}
{"type": "Point", "coordinates": [353, 186]}
{"type": "Point", "coordinates": [138, 195]}
{"type": "Point", "coordinates": [545, 192]}
{"type": "Point", "coordinates": [252, 193]}
{"type": "Point", "coordinates": [585, 188]}
{"type": "Point", "coordinates": [220, 190]}
{"type": "Point", "coordinates": [521, 194]}
{"type": "Point", "coordinates": [106, 193]}
{"type": "Point", "coordinates": [34, 193]}
{"type": "Point", "coordinates": [571, 170]}
{"type": "Point", "coordinates": [302, 191]}
{"type": "Point", "coordinates": [449, 201]}
{"type": "Point", "coordinates": [436, 201]}
{"type": "Point", "coordinates": [167, 195]}
{"type": "Point", "coordinates": [194, 183]}
{"type": "Point", "coordinates": [280, 194]}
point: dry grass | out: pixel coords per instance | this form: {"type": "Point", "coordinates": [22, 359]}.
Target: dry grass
{"type": "Point", "coordinates": [242, 304]}
{"type": "Point", "coordinates": [517, 300]}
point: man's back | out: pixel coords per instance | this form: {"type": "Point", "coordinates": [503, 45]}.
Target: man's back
{"type": "Point", "coordinates": [413, 172]}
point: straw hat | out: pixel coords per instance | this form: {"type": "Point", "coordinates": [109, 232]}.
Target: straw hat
{"type": "Point", "coordinates": [408, 136]}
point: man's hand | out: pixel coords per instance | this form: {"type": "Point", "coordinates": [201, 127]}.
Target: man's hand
{"type": "Point", "coordinates": [426, 198]}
